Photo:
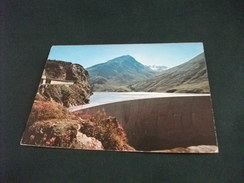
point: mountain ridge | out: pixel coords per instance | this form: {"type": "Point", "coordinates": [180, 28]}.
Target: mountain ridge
{"type": "Point", "coordinates": [125, 73]}
{"type": "Point", "coordinates": [189, 77]}
{"type": "Point", "coordinates": [116, 74]}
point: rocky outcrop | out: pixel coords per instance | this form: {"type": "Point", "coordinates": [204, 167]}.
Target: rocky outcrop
{"type": "Point", "coordinates": [59, 133]}
{"type": "Point", "coordinates": [107, 130]}
{"type": "Point", "coordinates": [52, 125]}
{"type": "Point", "coordinates": [76, 93]}
{"type": "Point", "coordinates": [65, 71]}
{"type": "Point", "coordinates": [85, 142]}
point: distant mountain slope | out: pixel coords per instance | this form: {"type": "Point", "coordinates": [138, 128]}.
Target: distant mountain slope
{"type": "Point", "coordinates": [157, 68]}
{"type": "Point", "coordinates": [190, 77]}
{"type": "Point", "coordinates": [117, 74]}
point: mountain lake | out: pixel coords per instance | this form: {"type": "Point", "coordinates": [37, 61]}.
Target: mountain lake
{"type": "Point", "coordinates": [100, 98]}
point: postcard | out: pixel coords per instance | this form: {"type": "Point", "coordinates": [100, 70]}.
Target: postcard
{"type": "Point", "coordinates": [124, 97]}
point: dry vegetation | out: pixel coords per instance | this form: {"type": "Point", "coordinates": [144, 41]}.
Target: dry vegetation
{"type": "Point", "coordinates": [105, 129]}
{"type": "Point", "coordinates": [43, 110]}
{"type": "Point", "coordinates": [50, 124]}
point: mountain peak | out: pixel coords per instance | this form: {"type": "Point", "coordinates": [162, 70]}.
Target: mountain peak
{"type": "Point", "coordinates": [123, 58]}
{"type": "Point", "coordinates": [126, 56]}
{"type": "Point", "coordinates": [118, 72]}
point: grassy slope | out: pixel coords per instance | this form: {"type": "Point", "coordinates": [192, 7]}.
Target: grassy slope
{"type": "Point", "coordinates": [188, 77]}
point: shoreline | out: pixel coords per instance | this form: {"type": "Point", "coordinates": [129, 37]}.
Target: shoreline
{"type": "Point", "coordinates": [103, 98]}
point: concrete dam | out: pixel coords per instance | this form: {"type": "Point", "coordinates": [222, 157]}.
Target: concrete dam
{"type": "Point", "coordinates": [163, 123]}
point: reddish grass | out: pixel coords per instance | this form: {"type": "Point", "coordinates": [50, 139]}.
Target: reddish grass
{"type": "Point", "coordinates": [104, 128]}
{"type": "Point", "coordinates": [55, 121]}
{"type": "Point", "coordinates": [44, 110]}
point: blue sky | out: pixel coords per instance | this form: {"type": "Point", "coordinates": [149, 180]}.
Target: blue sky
{"type": "Point", "coordinates": [170, 54]}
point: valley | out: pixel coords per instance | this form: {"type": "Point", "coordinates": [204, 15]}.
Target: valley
{"type": "Point", "coordinates": [125, 74]}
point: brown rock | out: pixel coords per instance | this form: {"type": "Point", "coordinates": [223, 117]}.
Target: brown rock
{"type": "Point", "coordinates": [62, 90]}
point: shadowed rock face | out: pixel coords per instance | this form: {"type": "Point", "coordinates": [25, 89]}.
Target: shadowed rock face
{"type": "Point", "coordinates": [68, 95]}
{"type": "Point", "coordinates": [65, 71]}
{"type": "Point", "coordinates": [163, 123]}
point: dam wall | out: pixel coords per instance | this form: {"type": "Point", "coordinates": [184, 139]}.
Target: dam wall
{"type": "Point", "coordinates": [162, 123]}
